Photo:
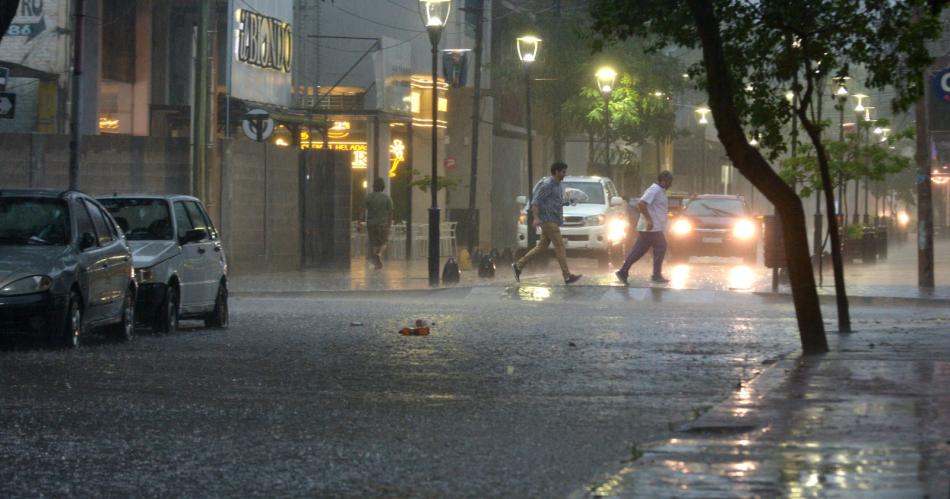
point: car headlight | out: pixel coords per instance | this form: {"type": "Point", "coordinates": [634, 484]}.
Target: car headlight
{"type": "Point", "coordinates": [523, 219]}
{"type": "Point", "coordinates": [903, 218]}
{"type": "Point", "coordinates": [27, 285]}
{"type": "Point", "coordinates": [682, 227]}
{"type": "Point", "coordinates": [144, 275]}
{"type": "Point", "coordinates": [616, 230]}
{"type": "Point", "coordinates": [744, 229]}
{"type": "Point", "coordinates": [594, 220]}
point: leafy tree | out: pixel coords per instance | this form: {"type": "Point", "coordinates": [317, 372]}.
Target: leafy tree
{"type": "Point", "coordinates": [848, 160]}
{"type": "Point", "coordinates": [767, 47]}
{"type": "Point", "coordinates": [565, 99]}
{"type": "Point", "coordinates": [425, 182]}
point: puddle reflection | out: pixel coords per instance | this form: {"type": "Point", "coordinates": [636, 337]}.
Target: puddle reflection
{"type": "Point", "coordinates": [534, 293]}
{"type": "Point", "coordinates": [679, 276]}
{"type": "Point", "coordinates": [741, 278]}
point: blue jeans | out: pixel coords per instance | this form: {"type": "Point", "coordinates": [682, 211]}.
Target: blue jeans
{"type": "Point", "coordinates": [645, 241]}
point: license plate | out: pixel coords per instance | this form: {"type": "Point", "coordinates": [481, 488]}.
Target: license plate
{"type": "Point", "coordinates": [712, 239]}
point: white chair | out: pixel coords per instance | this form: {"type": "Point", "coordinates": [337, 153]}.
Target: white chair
{"type": "Point", "coordinates": [420, 240]}
{"type": "Point", "coordinates": [447, 244]}
{"type": "Point", "coordinates": [396, 250]}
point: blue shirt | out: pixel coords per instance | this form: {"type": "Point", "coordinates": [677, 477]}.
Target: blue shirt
{"type": "Point", "coordinates": [549, 199]}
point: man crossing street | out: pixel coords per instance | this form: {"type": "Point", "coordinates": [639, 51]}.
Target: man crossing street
{"type": "Point", "coordinates": [547, 209]}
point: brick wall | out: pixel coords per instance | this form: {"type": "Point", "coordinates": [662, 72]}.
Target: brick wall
{"type": "Point", "coordinates": [109, 163]}
{"type": "Point", "coordinates": [260, 209]}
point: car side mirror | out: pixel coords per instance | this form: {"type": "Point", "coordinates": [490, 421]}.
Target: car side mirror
{"type": "Point", "coordinates": [616, 201]}
{"type": "Point", "coordinates": [194, 235]}
{"type": "Point", "coordinates": [86, 241]}
{"type": "Point", "coordinates": [521, 199]}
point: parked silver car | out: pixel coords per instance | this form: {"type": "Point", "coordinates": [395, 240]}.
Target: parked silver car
{"type": "Point", "coordinates": [64, 267]}
{"type": "Point", "coordinates": [179, 262]}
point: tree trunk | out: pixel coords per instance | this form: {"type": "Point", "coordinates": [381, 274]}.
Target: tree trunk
{"type": "Point", "coordinates": [837, 265]}
{"type": "Point", "coordinates": [757, 170]}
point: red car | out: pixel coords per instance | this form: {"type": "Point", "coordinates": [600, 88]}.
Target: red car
{"type": "Point", "coordinates": [714, 225]}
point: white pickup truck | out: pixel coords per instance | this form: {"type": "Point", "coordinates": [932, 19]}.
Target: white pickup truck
{"type": "Point", "coordinates": [595, 218]}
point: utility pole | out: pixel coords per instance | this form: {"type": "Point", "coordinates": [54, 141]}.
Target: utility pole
{"type": "Point", "coordinates": [479, 11]}
{"type": "Point", "coordinates": [75, 139]}
{"type": "Point", "coordinates": [200, 127]}
{"type": "Point", "coordinates": [925, 226]}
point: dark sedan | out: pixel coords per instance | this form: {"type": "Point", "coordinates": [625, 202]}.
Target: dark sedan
{"type": "Point", "coordinates": [65, 267]}
{"type": "Point", "coordinates": [714, 225]}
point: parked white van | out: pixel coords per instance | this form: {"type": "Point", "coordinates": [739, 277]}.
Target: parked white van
{"type": "Point", "coordinates": [595, 218]}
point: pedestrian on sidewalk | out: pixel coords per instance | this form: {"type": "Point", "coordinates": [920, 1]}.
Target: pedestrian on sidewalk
{"type": "Point", "coordinates": [547, 208]}
{"type": "Point", "coordinates": [654, 207]}
{"type": "Point", "coordinates": [379, 218]}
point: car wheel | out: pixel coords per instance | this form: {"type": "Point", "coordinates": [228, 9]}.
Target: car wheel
{"type": "Point", "coordinates": [125, 329]}
{"type": "Point", "coordinates": [219, 316]}
{"type": "Point", "coordinates": [72, 328]}
{"type": "Point", "coordinates": [167, 320]}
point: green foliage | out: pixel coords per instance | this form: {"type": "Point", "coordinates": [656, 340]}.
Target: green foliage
{"type": "Point", "coordinates": [862, 155]}
{"type": "Point", "coordinates": [775, 45]}
{"type": "Point", "coordinates": [853, 232]}
{"type": "Point", "coordinates": [564, 96]}
{"type": "Point", "coordinates": [441, 182]}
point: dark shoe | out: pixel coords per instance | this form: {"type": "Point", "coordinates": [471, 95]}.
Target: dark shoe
{"type": "Point", "coordinates": [622, 277]}
{"type": "Point", "coordinates": [659, 279]}
{"type": "Point", "coordinates": [514, 266]}
{"type": "Point", "coordinates": [572, 278]}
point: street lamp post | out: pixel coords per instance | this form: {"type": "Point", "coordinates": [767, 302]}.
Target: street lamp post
{"type": "Point", "coordinates": [703, 112]}
{"type": "Point", "coordinates": [606, 77]}
{"type": "Point", "coordinates": [434, 15]}
{"type": "Point", "coordinates": [858, 109]}
{"type": "Point", "coordinates": [528, 52]}
{"type": "Point", "coordinates": [867, 161]}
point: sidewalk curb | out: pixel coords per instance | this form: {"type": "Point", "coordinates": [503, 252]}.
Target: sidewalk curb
{"type": "Point", "coordinates": [351, 293]}
{"type": "Point", "coordinates": [720, 419]}
{"type": "Point", "coordinates": [867, 300]}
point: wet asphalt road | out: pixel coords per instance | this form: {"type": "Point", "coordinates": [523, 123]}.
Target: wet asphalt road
{"type": "Point", "coordinates": [504, 398]}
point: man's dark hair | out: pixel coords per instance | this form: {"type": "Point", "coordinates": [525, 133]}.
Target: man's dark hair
{"type": "Point", "coordinates": [558, 166]}
{"type": "Point", "coordinates": [664, 175]}
{"type": "Point", "coordinates": [378, 185]}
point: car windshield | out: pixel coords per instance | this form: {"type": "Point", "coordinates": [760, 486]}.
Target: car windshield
{"type": "Point", "coordinates": [715, 208]}
{"type": "Point", "coordinates": [594, 191]}
{"type": "Point", "coordinates": [33, 220]}
{"type": "Point", "coordinates": [141, 219]}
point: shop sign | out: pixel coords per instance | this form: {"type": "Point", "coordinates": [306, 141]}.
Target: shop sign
{"type": "Point", "coordinates": [261, 51]}
{"type": "Point", "coordinates": [940, 101]}
{"type": "Point", "coordinates": [397, 154]}
{"type": "Point", "coordinates": [263, 41]}
{"type": "Point", "coordinates": [29, 20]}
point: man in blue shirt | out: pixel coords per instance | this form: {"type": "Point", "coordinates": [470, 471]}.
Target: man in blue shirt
{"type": "Point", "coordinates": [547, 209]}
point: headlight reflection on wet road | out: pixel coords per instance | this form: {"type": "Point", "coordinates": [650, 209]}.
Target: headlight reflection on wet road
{"type": "Point", "coordinates": [679, 276]}
{"type": "Point", "coordinates": [741, 278]}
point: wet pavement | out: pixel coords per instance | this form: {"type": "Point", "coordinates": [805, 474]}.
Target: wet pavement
{"type": "Point", "coordinates": [870, 419]}
{"type": "Point", "coordinates": [519, 395]}
{"type": "Point", "coordinates": [537, 389]}
{"type": "Point", "coordinates": [895, 277]}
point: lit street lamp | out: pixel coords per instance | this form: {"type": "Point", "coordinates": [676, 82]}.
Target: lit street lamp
{"type": "Point", "coordinates": [867, 160]}
{"type": "Point", "coordinates": [434, 14]}
{"type": "Point", "coordinates": [528, 53]}
{"type": "Point", "coordinates": [606, 77]}
{"type": "Point", "coordinates": [842, 186]}
{"type": "Point", "coordinates": [703, 112]}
